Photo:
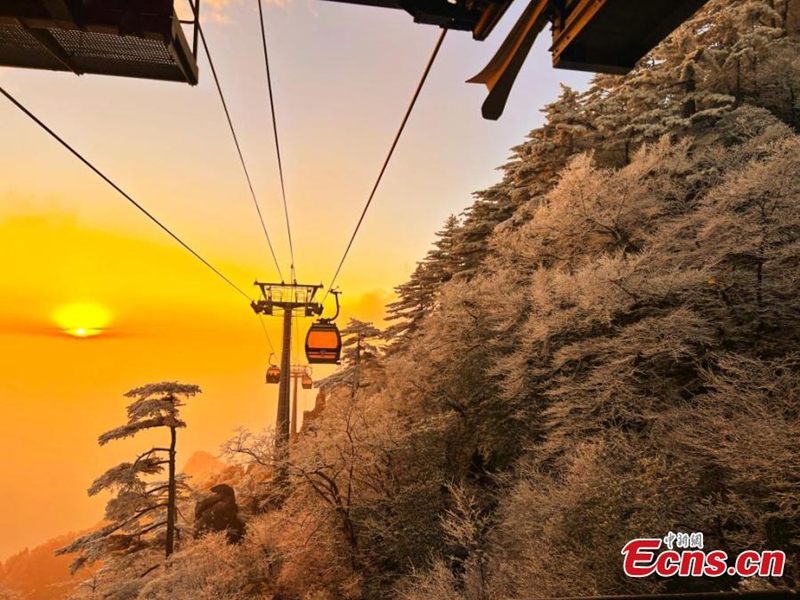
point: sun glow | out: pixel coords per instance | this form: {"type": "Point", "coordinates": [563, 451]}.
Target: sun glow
{"type": "Point", "coordinates": [82, 320]}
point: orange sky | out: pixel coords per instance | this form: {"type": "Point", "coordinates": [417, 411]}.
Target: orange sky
{"type": "Point", "coordinates": [344, 76]}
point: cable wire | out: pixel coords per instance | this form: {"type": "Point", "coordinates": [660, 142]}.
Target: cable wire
{"type": "Point", "coordinates": [266, 333]}
{"type": "Point", "coordinates": [238, 148]}
{"type": "Point", "coordinates": [277, 142]}
{"type": "Point", "coordinates": [388, 157]}
{"type": "Point", "coordinates": [124, 194]}
{"type": "Point", "coordinates": [297, 337]}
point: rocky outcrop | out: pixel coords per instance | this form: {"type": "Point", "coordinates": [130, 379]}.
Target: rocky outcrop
{"type": "Point", "coordinates": [309, 416]}
{"type": "Point", "coordinates": [219, 512]}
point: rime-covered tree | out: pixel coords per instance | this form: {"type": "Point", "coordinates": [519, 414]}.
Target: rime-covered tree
{"type": "Point", "coordinates": [534, 165]}
{"type": "Point", "coordinates": [629, 329]}
{"type": "Point", "coordinates": [531, 171]}
{"type": "Point", "coordinates": [358, 343]}
{"type": "Point", "coordinates": [143, 512]}
{"type": "Point", "coordinates": [367, 494]}
{"type": "Point", "coordinates": [730, 53]}
{"type": "Point", "coordinates": [360, 356]}
{"type": "Point", "coordinates": [417, 297]}
{"type": "Point", "coordinates": [7, 594]}
{"type": "Point", "coordinates": [742, 52]}
{"type": "Point", "coordinates": [491, 207]}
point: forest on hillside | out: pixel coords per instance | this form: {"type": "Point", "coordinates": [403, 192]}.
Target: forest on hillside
{"type": "Point", "coordinates": [604, 346]}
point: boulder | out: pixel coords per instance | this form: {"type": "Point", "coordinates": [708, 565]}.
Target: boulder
{"type": "Point", "coordinates": [219, 512]}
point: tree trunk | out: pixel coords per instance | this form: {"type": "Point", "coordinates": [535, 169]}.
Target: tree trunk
{"type": "Point", "coordinates": [738, 94]}
{"type": "Point", "coordinates": [755, 74]}
{"type": "Point", "coordinates": [760, 292]}
{"type": "Point", "coordinates": [785, 18]}
{"type": "Point", "coordinates": [355, 370]}
{"type": "Point", "coordinates": [293, 430]}
{"type": "Point", "coordinates": [172, 494]}
{"type": "Point", "coordinates": [352, 538]}
{"type": "Point", "coordinates": [690, 83]}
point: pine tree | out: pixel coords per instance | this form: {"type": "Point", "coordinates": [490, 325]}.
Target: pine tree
{"type": "Point", "coordinates": [530, 173]}
{"type": "Point", "coordinates": [661, 95]}
{"type": "Point", "coordinates": [491, 208]}
{"type": "Point", "coordinates": [417, 297]}
{"type": "Point", "coordinates": [360, 354]}
{"type": "Point", "coordinates": [142, 510]}
{"type": "Point", "coordinates": [749, 52]}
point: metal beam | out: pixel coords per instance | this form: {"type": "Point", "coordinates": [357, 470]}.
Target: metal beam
{"type": "Point", "coordinates": [489, 18]}
{"type": "Point", "coordinates": [282, 424]}
{"type": "Point", "coordinates": [49, 43]}
{"type": "Point", "coordinates": [501, 72]}
{"type": "Point", "coordinates": [177, 49]}
{"type": "Point", "coordinates": [579, 18]}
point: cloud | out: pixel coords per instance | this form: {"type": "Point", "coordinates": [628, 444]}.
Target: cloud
{"type": "Point", "coordinates": [43, 327]}
{"type": "Point", "coordinates": [221, 11]}
{"type": "Point", "coordinates": [218, 11]}
{"type": "Point", "coordinates": [370, 306]}
{"type": "Point", "coordinates": [215, 11]}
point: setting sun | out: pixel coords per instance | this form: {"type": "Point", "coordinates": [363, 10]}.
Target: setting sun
{"type": "Point", "coordinates": [82, 320]}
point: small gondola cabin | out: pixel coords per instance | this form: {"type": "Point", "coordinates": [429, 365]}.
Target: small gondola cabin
{"type": "Point", "coordinates": [307, 382]}
{"type": "Point", "coordinates": [273, 375]}
{"type": "Point", "coordinates": [128, 38]}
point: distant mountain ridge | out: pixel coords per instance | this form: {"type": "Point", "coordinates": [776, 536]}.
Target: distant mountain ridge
{"type": "Point", "coordinates": [38, 573]}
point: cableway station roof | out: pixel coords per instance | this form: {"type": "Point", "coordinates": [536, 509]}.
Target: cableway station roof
{"type": "Point", "coordinates": [126, 38]}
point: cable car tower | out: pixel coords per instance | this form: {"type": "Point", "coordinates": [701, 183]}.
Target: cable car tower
{"type": "Point", "coordinates": [286, 298]}
{"type": "Point", "coordinates": [300, 374]}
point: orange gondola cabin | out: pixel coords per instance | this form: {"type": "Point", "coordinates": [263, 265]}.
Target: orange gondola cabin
{"type": "Point", "coordinates": [307, 382]}
{"type": "Point", "coordinates": [323, 343]}
{"type": "Point", "coordinates": [128, 38]}
{"type": "Point", "coordinates": [273, 375]}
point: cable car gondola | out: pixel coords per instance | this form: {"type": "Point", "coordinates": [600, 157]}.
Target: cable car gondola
{"type": "Point", "coordinates": [323, 341]}
{"type": "Point", "coordinates": [273, 375]}
{"type": "Point", "coordinates": [273, 372]}
{"type": "Point", "coordinates": [306, 381]}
